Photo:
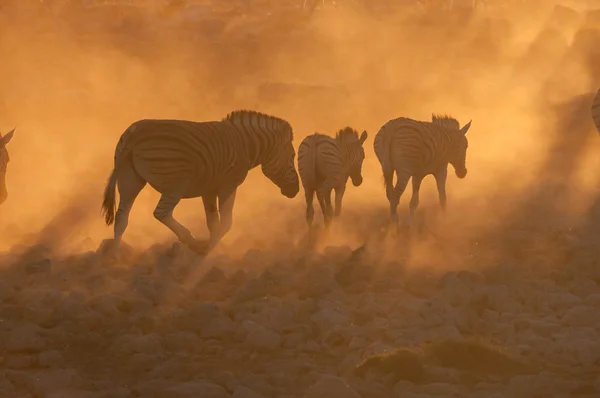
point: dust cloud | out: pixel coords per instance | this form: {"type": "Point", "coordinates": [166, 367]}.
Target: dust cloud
{"type": "Point", "coordinates": [75, 77]}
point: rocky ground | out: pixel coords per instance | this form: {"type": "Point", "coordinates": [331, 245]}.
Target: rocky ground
{"type": "Point", "coordinates": [333, 324]}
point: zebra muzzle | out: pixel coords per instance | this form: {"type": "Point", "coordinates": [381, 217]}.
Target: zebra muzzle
{"type": "Point", "coordinates": [461, 173]}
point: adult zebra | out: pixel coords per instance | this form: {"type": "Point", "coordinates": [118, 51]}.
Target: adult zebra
{"type": "Point", "coordinates": [412, 148]}
{"type": "Point", "coordinates": [4, 159]}
{"type": "Point", "coordinates": [325, 164]}
{"type": "Point", "coordinates": [596, 110]}
{"type": "Point", "coordinates": [185, 159]}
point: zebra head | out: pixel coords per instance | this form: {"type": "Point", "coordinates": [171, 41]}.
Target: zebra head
{"type": "Point", "coordinates": [279, 165]}
{"type": "Point", "coordinates": [458, 157]}
{"type": "Point", "coordinates": [4, 140]}
{"type": "Point", "coordinates": [353, 152]}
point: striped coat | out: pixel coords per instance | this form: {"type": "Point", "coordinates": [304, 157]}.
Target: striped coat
{"type": "Point", "coordinates": [596, 110]}
{"type": "Point", "coordinates": [410, 148]}
{"type": "Point", "coordinates": [185, 159]}
{"type": "Point", "coordinates": [4, 159]}
{"type": "Point", "coordinates": [325, 164]}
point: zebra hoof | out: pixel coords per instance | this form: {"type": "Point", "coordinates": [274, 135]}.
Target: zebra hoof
{"type": "Point", "coordinates": [201, 247]}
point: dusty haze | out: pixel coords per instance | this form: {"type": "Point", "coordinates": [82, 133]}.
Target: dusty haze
{"type": "Point", "coordinates": [72, 87]}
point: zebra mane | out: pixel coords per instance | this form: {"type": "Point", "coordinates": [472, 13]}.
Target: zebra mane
{"type": "Point", "coordinates": [346, 134]}
{"type": "Point", "coordinates": [445, 121]}
{"type": "Point", "coordinates": [247, 116]}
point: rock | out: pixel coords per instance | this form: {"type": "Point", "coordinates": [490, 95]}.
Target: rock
{"type": "Point", "coordinates": [19, 361]}
{"type": "Point", "coordinates": [329, 387]}
{"type": "Point", "coordinates": [182, 341]}
{"type": "Point", "coordinates": [221, 327]}
{"type": "Point", "coordinates": [245, 392]}
{"type": "Point", "coordinates": [327, 319]}
{"type": "Point", "coordinates": [7, 292]}
{"type": "Point", "coordinates": [195, 389]}
{"type": "Point", "coordinates": [38, 267]}
{"type": "Point", "coordinates": [143, 344]}
{"type": "Point", "coordinates": [70, 393]}
{"type": "Point", "coordinates": [24, 338]}
{"type": "Point", "coordinates": [582, 316]}
{"type": "Point", "coordinates": [55, 381]}
{"type": "Point", "coordinates": [261, 338]}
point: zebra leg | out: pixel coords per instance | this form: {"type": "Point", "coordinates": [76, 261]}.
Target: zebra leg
{"type": "Point", "coordinates": [440, 180]}
{"type": "Point", "coordinates": [226, 202]}
{"type": "Point", "coordinates": [401, 183]}
{"type": "Point", "coordinates": [213, 221]}
{"type": "Point", "coordinates": [164, 214]}
{"type": "Point", "coordinates": [129, 184]}
{"type": "Point", "coordinates": [414, 200]}
{"type": "Point", "coordinates": [339, 194]}
{"type": "Point", "coordinates": [324, 197]}
{"type": "Point", "coordinates": [309, 194]}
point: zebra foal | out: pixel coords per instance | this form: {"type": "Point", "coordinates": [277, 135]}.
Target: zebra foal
{"type": "Point", "coordinates": [184, 159]}
{"type": "Point", "coordinates": [596, 110]}
{"type": "Point", "coordinates": [411, 148]}
{"type": "Point", "coordinates": [325, 164]}
{"type": "Point", "coordinates": [4, 159]}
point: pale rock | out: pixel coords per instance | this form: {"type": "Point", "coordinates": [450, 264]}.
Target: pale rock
{"type": "Point", "coordinates": [182, 341]}
{"type": "Point", "coordinates": [221, 327]}
{"type": "Point", "coordinates": [69, 393]}
{"type": "Point", "coordinates": [454, 290]}
{"type": "Point", "coordinates": [39, 266]}
{"type": "Point", "coordinates": [348, 364]}
{"type": "Point", "coordinates": [582, 316]}
{"type": "Point", "coordinates": [327, 319]}
{"type": "Point", "coordinates": [195, 389]}
{"type": "Point", "coordinates": [441, 389]}
{"type": "Point", "coordinates": [204, 312]}
{"type": "Point", "coordinates": [245, 392]}
{"type": "Point", "coordinates": [263, 339]}
{"type": "Point", "coordinates": [313, 346]}
{"type": "Point", "coordinates": [6, 388]}
{"type": "Point", "coordinates": [377, 348]}
{"type": "Point", "coordinates": [56, 380]}
{"type": "Point", "coordinates": [119, 392]}
{"type": "Point", "coordinates": [7, 292]}
{"type": "Point", "coordinates": [592, 300]}
{"type": "Point", "coordinates": [139, 344]}
{"type": "Point", "coordinates": [587, 352]}
{"type": "Point", "coordinates": [563, 301]}
{"type": "Point", "coordinates": [357, 342]}
{"type": "Point", "coordinates": [226, 379]}
{"type": "Point", "coordinates": [329, 387]}
{"type": "Point", "coordinates": [24, 338]}
{"type": "Point", "coordinates": [545, 328]}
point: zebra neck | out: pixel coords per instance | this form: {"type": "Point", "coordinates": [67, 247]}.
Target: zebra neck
{"type": "Point", "coordinates": [258, 147]}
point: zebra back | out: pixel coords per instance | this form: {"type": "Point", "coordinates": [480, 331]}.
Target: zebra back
{"type": "Point", "coordinates": [319, 159]}
{"type": "Point", "coordinates": [596, 110]}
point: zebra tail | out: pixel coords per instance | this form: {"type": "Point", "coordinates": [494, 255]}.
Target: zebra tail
{"type": "Point", "coordinates": [109, 205]}
{"type": "Point", "coordinates": [122, 151]}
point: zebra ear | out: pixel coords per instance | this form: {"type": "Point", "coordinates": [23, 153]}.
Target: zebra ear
{"type": "Point", "coordinates": [6, 139]}
{"type": "Point", "coordinates": [466, 128]}
{"type": "Point", "coordinates": [363, 137]}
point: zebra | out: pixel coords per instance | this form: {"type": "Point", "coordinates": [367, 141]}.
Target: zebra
{"type": "Point", "coordinates": [4, 159]}
{"type": "Point", "coordinates": [596, 110]}
{"type": "Point", "coordinates": [324, 164]}
{"type": "Point", "coordinates": [412, 148]}
{"type": "Point", "coordinates": [184, 159]}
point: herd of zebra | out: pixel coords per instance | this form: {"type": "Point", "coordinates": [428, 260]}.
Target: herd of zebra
{"type": "Point", "coordinates": [184, 159]}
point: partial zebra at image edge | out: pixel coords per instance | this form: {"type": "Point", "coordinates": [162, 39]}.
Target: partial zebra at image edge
{"type": "Point", "coordinates": [596, 110]}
